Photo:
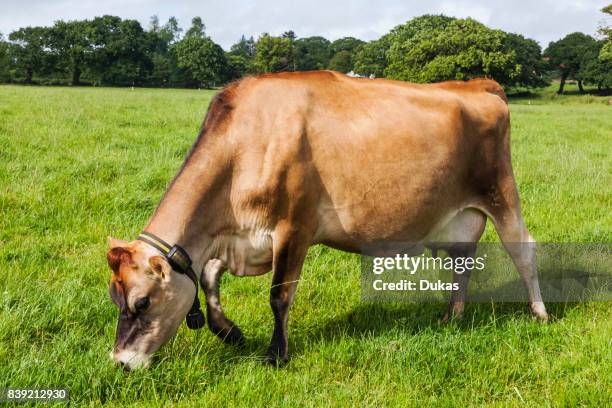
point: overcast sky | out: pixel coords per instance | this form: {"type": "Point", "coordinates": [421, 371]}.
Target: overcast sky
{"type": "Point", "coordinates": [227, 20]}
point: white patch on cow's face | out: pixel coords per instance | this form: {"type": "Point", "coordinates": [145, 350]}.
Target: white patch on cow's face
{"type": "Point", "coordinates": [131, 359]}
{"type": "Point", "coordinates": [140, 333]}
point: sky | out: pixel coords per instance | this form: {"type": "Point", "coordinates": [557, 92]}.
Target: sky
{"type": "Point", "coordinates": [227, 20]}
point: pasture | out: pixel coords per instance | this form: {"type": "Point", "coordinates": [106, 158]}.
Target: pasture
{"type": "Point", "coordinates": [78, 164]}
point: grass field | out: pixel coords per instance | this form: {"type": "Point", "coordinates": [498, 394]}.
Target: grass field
{"type": "Point", "coordinates": [78, 164]}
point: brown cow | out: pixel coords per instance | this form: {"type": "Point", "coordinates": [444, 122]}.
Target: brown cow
{"type": "Point", "coordinates": [289, 160]}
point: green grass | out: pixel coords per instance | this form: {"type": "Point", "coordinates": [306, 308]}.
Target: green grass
{"type": "Point", "coordinates": [78, 164]}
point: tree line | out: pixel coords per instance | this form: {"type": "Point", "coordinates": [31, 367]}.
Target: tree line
{"type": "Point", "coordinates": [111, 51]}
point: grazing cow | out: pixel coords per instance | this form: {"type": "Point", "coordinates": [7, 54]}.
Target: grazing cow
{"type": "Point", "coordinates": [285, 161]}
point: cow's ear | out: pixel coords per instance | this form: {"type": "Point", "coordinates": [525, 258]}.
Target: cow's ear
{"type": "Point", "coordinates": [160, 266]}
{"type": "Point", "coordinates": [117, 256]}
{"type": "Point", "coordinates": [114, 242]}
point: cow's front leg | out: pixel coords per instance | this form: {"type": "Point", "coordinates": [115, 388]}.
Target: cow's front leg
{"type": "Point", "coordinates": [287, 265]}
{"type": "Point", "coordinates": [224, 328]}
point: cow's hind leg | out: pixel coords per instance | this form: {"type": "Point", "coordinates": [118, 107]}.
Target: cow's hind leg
{"type": "Point", "coordinates": [456, 304]}
{"type": "Point", "coordinates": [505, 213]}
{"type": "Point", "coordinates": [459, 239]}
{"type": "Point", "coordinates": [224, 328]}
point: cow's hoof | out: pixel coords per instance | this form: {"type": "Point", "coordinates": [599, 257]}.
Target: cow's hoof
{"type": "Point", "coordinates": [538, 312]}
{"type": "Point", "coordinates": [274, 358]}
{"type": "Point", "coordinates": [229, 334]}
{"type": "Point", "coordinates": [234, 336]}
{"type": "Point", "coordinates": [454, 312]}
{"type": "Point", "coordinates": [449, 317]}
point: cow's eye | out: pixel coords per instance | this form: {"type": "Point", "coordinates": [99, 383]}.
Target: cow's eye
{"type": "Point", "coordinates": [141, 304]}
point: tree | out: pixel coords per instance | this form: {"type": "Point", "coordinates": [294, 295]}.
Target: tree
{"type": "Point", "coordinates": [289, 34]}
{"type": "Point", "coordinates": [343, 52]}
{"type": "Point", "coordinates": [160, 40]}
{"type": "Point", "coordinates": [341, 62]}
{"type": "Point", "coordinates": [171, 32]}
{"type": "Point", "coordinates": [161, 71]}
{"type": "Point", "coordinates": [71, 43]}
{"type": "Point", "coordinates": [237, 67]}
{"type": "Point", "coordinates": [197, 29]}
{"type": "Point", "coordinates": [27, 49]}
{"type": "Point", "coordinates": [371, 58]}
{"type": "Point", "coordinates": [241, 58]}
{"type": "Point", "coordinates": [5, 62]}
{"type": "Point", "coordinates": [274, 54]}
{"type": "Point", "coordinates": [244, 48]}
{"type": "Point", "coordinates": [121, 51]}
{"type": "Point", "coordinates": [203, 58]}
{"type": "Point", "coordinates": [154, 26]}
{"type": "Point", "coordinates": [349, 44]}
{"type": "Point", "coordinates": [594, 69]}
{"type": "Point", "coordinates": [531, 65]}
{"type": "Point", "coordinates": [433, 48]}
{"type": "Point", "coordinates": [606, 32]}
{"type": "Point", "coordinates": [436, 48]}
{"type": "Point", "coordinates": [109, 50]}
{"type": "Point", "coordinates": [312, 53]}
{"type": "Point", "coordinates": [597, 63]}
{"type": "Point", "coordinates": [567, 56]}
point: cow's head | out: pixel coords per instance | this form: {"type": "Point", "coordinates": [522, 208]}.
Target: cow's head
{"type": "Point", "coordinates": [152, 299]}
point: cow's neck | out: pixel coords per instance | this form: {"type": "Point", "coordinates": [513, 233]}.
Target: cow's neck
{"type": "Point", "coordinates": [186, 214]}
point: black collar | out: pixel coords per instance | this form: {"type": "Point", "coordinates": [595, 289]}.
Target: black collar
{"type": "Point", "coordinates": [180, 261]}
